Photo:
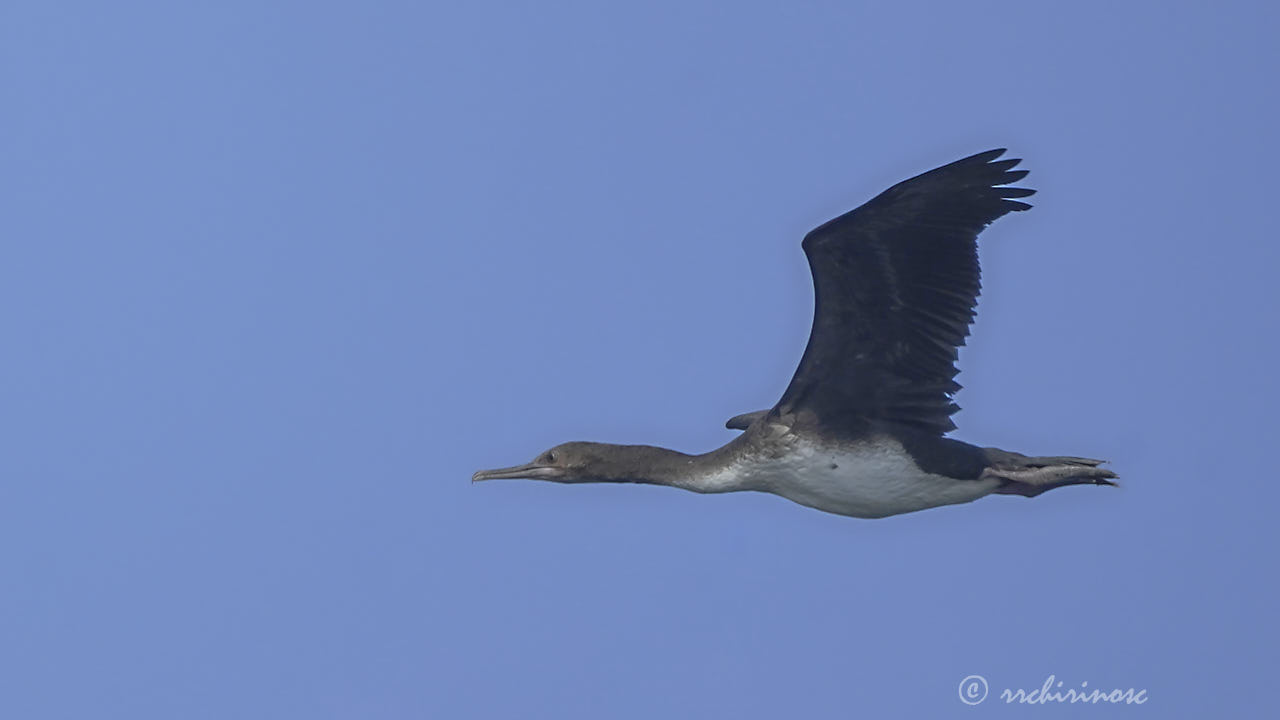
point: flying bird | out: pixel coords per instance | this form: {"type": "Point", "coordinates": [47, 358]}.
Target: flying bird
{"type": "Point", "coordinates": [860, 430]}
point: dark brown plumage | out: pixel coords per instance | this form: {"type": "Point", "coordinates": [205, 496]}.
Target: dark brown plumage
{"type": "Point", "coordinates": [895, 283]}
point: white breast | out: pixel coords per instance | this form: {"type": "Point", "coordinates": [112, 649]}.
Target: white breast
{"type": "Point", "coordinates": [877, 480]}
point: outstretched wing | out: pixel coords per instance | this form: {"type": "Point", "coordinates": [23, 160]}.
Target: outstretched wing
{"type": "Point", "coordinates": [895, 284]}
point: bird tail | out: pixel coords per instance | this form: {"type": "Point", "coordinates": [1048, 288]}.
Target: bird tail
{"type": "Point", "coordinates": [1030, 476]}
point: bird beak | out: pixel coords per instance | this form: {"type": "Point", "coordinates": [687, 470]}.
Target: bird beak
{"type": "Point", "coordinates": [530, 471]}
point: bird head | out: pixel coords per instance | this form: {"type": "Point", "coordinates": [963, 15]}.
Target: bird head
{"type": "Point", "coordinates": [579, 462]}
{"type": "Point", "coordinates": [567, 463]}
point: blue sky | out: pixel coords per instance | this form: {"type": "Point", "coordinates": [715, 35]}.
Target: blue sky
{"type": "Point", "coordinates": [278, 277]}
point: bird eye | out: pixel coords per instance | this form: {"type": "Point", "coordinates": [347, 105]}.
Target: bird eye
{"type": "Point", "coordinates": [551, 457]}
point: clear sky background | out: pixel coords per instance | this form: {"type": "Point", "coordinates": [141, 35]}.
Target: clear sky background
{"type": "Point", "coordinates": [277, 277]}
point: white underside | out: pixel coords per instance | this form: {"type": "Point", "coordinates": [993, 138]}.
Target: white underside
{"type": "Point", "coordinates": [877, 480]}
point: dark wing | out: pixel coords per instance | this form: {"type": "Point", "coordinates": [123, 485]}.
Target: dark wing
{"type": "Point", "coordinates": [895, 284]}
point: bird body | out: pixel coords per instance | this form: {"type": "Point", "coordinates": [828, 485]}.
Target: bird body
{"type": "Point", "coordinates": [860, 429]}
{"type": "Point", "coordinates": [871, 478]}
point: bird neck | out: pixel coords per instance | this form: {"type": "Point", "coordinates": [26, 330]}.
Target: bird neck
{"type": "Point", "coordinates": [646, 464]}
{"type": "Point", "coordinates": [706, 473]}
